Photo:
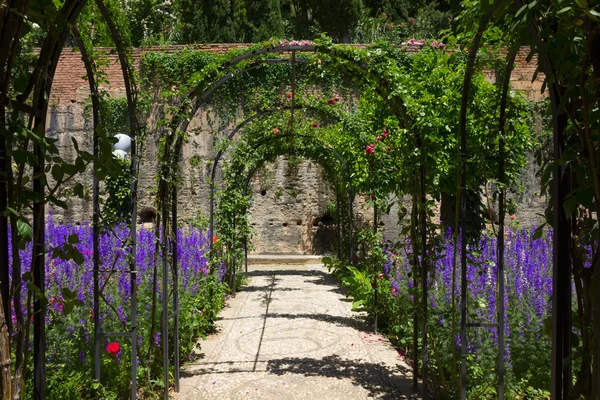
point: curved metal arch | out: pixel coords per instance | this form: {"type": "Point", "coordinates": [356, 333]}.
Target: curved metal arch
{"type": "Point", "coordinates": [337, 197]}
{"type": "Point", "coordinates": [222, 151]}
{"type": "Point", "coordinates": [200, 98]}
{"type": "Point", "coordinates": [272, 61]}
{"type": "Point", "coordinates": [325, 146]}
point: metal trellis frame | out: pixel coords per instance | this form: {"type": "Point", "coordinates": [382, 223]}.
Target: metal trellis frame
{"type": "Point", "coordinates": [350, 194]}
{"type": "Point", "coordinates": [261, 143]}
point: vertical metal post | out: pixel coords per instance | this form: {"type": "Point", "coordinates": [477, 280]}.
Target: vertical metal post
{"type": "Point", "coordinates": [339, 222]}
{"type": "Point", "coordinates": [415, 349]}
{"type": "Point", "coordinates": [96, 256]}
{"type": "Point", "coordinates": [375, 282]}
{"type": "Point", "coordinates": [246, 255]}
{"type": "Point", "coordinates": [89, 67]}
{"type": "Point", "coordinates": [424, 295]}
{"type": "Point", "coordinates": [351, 216]}
{"type": "Point", "coordinates": [164, 331]}
{"type": "Point", "coordinates": [175, 283]}
{"type": "Point", "coordinates": [500, 258]}
{"type": "Point", "coordinates": [501, 212]}
{"type": "Point", "coordinates": [4, 270]}
{"type": "Point", "coordinates": [463, 266]}
{"type": "Point", "coordinates": [211, 217]}
{"type": "Point", "coordinates": [561, 265]}
{"type": "Point", "coordinates": [293, 101]}
{"type": "Point", "coordinates": [39, 270]}
{"type": "Point", "coordinates": [233, 265]}
{"type": "Point", "coordinates": [133, 263]}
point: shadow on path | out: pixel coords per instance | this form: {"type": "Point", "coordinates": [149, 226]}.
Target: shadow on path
{"type": "Point", "coordinates": [332, 319]}
{"type": "Point", "coordinates": [375, 378]}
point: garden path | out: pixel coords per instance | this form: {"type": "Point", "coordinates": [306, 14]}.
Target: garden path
{"type": "Point", "coordinates": [291, 334]}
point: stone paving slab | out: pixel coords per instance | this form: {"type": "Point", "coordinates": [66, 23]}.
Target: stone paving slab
{"type": "Point", "coordinates": [279, 259]}
{"type": "Point", "coordinates": [291, 334]}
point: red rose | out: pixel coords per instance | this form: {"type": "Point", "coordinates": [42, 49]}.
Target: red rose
{"type": "Point", "coordinates": [289, 95]}
{"type": "Point", "coordinates": [316, 125]}
{"type": "Point", "coordinates": [113, 348]}
{"type": "Point", "coordinates": [276, 131]}
{"type": "Point", "coordinates": [380, 276]}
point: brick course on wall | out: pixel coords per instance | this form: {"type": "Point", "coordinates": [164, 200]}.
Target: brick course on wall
{"type": "Point", "coordinates": [70, 82]}
{"type": "Point", "coordinates": [275, 218]}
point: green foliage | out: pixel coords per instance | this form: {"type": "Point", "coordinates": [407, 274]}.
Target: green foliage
{"type": "Point", "coordinates": [117, 205]}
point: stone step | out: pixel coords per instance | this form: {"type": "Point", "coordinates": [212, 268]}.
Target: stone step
{"type": "Point", "coordinates": [261, 259]}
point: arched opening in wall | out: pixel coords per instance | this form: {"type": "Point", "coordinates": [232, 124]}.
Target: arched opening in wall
{"type": "Point", "coordinates": [289, 213]}
{"type": "Point", "coordinates": [147, 215]}
{"type": "Point", "coordinates": [324, 234]}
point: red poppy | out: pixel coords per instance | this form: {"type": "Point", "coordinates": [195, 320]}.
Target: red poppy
{"type": "Point", "coordinates": [276, 131]}
{"type": "Point", "coordinates": [316, 125]}
{"type": "Point", "coordinates": [289, 95]}
{"type": "Point", "coordinates": [512, 217]}
{"type": "Point", "coordinates": [215, 239]}
{"type": "Point", "coordinates": [372, 196]}
{"type": "Point", "coordinates": [113, 348]}
{"type": "Point", "coordinates": [380, 275]}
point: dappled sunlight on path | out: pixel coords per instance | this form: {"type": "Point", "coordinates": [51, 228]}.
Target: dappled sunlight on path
{"type": "Point", "coordinates": [290, 335]}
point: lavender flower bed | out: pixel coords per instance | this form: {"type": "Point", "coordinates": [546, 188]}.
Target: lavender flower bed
{"type": "Point", "coordinates": [528, 270]}
{"type": "Point", "coordinates": [70, 337]}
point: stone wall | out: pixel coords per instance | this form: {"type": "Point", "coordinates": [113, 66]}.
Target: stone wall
{"type": "Point", "coordinates": [289, 213]}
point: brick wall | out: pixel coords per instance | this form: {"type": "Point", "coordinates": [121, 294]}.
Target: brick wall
{"type": "Point", "coordinates": [70, 83]}
{"type": "Point", "coordinates": [282, 223]}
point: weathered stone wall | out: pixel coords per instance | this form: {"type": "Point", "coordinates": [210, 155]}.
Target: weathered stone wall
{"type": "Point", "coordinates": [292, 214]}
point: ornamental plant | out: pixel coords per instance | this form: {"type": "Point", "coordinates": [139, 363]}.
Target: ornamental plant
{"type": "Point", "coordinates": [70, 318]}
{"type": "Point", "coordinates": [528, 293]}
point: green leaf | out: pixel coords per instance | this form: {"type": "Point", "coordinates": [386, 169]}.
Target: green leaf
{"type": "Point", "coordinates": [60, 203]}
{"type": "Point", "coordinates": [77, 256]}
{"type": "Point", "coordinates": [563, 10]}
{"type": "Point", "coordinates": [78, 190]}
{"type": "Point", "coordinates": [539, 231]}
{"type": "Point", "coordinates": [24, 229]}
{"type": "Point", "coordinates": [357, 304]}
{"type": "Point", "coordinates": [57, 173]}
{"type": "Point", "coordinates": [68, 294]}
{"type": "Point", "coordinates": [73, 238]}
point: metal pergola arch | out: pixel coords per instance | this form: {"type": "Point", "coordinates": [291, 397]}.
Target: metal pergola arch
{"type": "Point", "coordinates": [229, 137]}
{"type": "Point", "coordinates": [180, 124]}
{"type": "Point", "coordinates": [561, 260]}
{"type": "Point", "coordinates": [133, 125]}
{"type": "Point", "coordinates": [199, 96]}
{"type": "Point", "coordinates": [249, 177]}
{"type": "Point", "coordinates": [326, 147]}
{"type": "Point", "coordinates": [350, 199]}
